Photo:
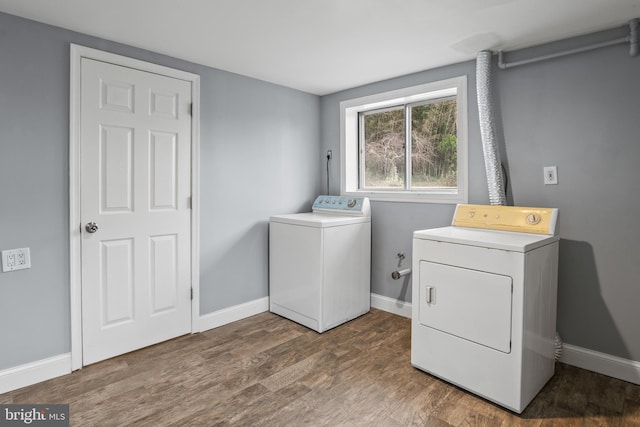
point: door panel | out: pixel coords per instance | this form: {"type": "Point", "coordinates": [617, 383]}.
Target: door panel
{"type": "Point", "coordinates": [116, 281]}
{"type": "Point", "coordinates": [116, 96]}
{"type": "Point", "coordinates": [116, 177]}
{"type": "Point", "coordinates": [135, 183]}
{"type": "Point", "coordinates": [163, 181]}
{"type": "Point", "coordinates": [470, 304]}
{"type": "Point", "coordinates": [164, 105]}
{"type": "Point", "coordinates": [164, 275]}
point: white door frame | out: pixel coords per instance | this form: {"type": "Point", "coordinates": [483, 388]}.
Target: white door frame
{"type": "Point", "coordinates": [77, 53]}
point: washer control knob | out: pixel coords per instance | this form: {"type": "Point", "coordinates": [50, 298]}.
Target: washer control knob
{"type": "Point", "coordinates": [351, 203]}
{"type": "Point", "coordinates": [533, 219]}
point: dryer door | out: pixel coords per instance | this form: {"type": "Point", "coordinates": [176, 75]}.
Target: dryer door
{"type": "Point", "coordinates": [470, 304]}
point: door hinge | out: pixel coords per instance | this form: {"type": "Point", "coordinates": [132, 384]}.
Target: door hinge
{"type": "Point", "coordinates": [189, 202]}
{"type": "Point", "coordinates": [191, 109]}
{"type": "Point", "coordinates": [191, 294]}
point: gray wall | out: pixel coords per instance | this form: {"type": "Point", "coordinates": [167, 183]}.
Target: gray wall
{"type": "Point", "coordinates": [260, 155]}
{"type": "Point", "coordinates": [580, 113]}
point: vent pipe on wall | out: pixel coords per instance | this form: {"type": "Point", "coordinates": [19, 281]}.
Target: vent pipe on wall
{"type": "Point", "coordinates": [486, 114]}
{"type": "Point", "coordinates": [492, 163]}
{"type": "Point", "coordinates": [632, 39]}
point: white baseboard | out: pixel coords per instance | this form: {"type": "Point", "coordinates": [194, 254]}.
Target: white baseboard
{"type": "Point", "coordinates": [34, 372]}
{"type": "Point", "coordinates": [241, 311]}
{"type": "Point", "coordinates": [232, 314]}
{"type": "Point", "coordinates": [391, 305]}
{"type": "Point", "coordinates": [602, 363]}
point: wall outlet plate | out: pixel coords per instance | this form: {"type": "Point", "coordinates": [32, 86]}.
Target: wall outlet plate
{"type": "Point", "coordinates": [16, 259]}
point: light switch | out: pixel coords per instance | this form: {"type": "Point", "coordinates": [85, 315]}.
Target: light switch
{"type": "Point", "coordinates": [550, 175]}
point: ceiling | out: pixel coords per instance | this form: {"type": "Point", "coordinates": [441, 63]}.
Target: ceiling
{"type": "Point", "coordinates": [324, 46]}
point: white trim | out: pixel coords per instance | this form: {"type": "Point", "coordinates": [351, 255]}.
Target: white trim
{"type": "Point", "coordinates": [232, 314]}
{"type": "Point", "coordinates": [349, 159]}
{"type": "Point", "coordinates": [195, 203]}
{"type": "Point", "coordinates": [77, 53]}
{"type": "Point", "coordinates": [391, 305]}
{"type": "Point", "coordinates": [75, 271]}
{"type": "Point", "coordinates": [34, 372]}
{"type": "Point", "coordinates": [602, 363]}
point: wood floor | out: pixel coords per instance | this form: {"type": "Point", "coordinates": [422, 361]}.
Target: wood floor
{"type": "Point", "coordinates": [268, 371]}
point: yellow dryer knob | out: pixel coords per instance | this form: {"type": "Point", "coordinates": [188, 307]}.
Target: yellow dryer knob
{"type": "Point", "coordinates": [533, 219]}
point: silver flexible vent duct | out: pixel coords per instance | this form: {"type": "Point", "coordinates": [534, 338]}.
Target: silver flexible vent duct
{"type": "Point", "coordinates": [488, 129]}
{"type": "Point", "coordinates": [557, 347]}
{"type": "Point", "coordinates": [492, 163]}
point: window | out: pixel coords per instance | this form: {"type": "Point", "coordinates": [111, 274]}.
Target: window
{"type": "Point", "coordinates": [407, 145]}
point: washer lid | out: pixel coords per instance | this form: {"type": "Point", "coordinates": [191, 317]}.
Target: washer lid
{"type": "Point", "coordinates": [494, 239]}
{"type": "Point", "coordinates": [312, 219]}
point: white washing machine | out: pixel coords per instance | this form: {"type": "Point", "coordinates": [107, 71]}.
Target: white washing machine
{"type": "Point", "coordinates": [320, 263]}
{"type": "Point", "coordinates": [484, 301]}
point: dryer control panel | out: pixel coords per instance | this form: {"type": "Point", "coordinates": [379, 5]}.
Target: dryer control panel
{"type": "Point", "coordinates": [507, 218]}
{"type": "Point", "coordinates": [343, 205]}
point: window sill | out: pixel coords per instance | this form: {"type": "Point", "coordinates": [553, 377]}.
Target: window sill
{"type": "Point", "coordinates": [443, 197]}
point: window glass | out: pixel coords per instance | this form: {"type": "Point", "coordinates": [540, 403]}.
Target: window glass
{"type": "Point", "coordinates": [383, 145]}
{"type": "Point", "coordinates": [434, 147]}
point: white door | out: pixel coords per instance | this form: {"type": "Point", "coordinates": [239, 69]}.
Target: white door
{"type": "Point", "coordinates": [135, 173]}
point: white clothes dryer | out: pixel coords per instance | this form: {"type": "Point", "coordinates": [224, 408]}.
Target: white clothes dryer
{"type": "Point", "coordinates": [484, 301]}
{"type": "Point", "coordinates": [320, 263]}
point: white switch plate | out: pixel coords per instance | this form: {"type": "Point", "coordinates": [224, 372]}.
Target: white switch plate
{"type": "Point", "coordinates": [550, 175]}
{"type": "Point", "coordinates": [16, 259]}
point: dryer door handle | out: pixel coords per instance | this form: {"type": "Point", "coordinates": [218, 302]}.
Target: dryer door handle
{"type": "Point", "coordinates": [430, 294]}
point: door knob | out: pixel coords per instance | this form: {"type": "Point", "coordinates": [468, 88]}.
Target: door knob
{"type": "Point", "coordinates": [91, 227]}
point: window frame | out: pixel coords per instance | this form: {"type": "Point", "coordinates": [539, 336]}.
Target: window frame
{"type": "Point", "coordinates": [350, 149]}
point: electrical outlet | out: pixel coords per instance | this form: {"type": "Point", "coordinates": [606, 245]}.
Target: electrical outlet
{"type": "Point", "coordinates": [550, 175]}
{"type": "Point", "coordinates": [16, 259]}
{"type": "Point", "coordinates": [329, 154]}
